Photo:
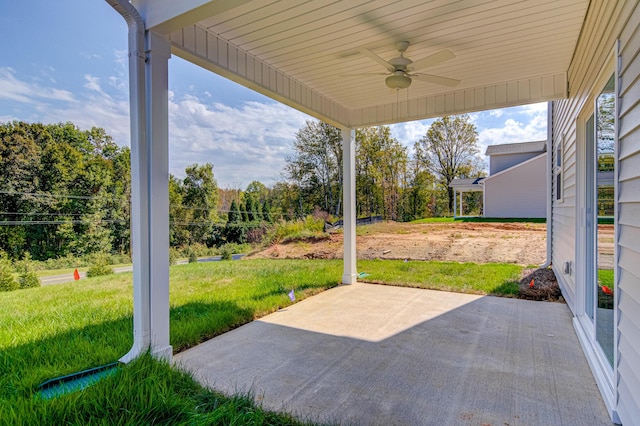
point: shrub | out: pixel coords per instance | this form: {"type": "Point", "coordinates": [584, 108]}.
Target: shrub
{"type": "Point", "coordinates": [29, 279]}
{"type": "Point", "coordinates": [7, 282]}
{"type": "Point", "coordinates": [24, 265]}
{"type": "Point", "coordinates": [99, 265]}
{"type": "Point", "coordinates": [193, 255]}
{"type": "Point", "coordinates": [226, 252]}
{"type": "Point", "coordinates": [174, 255]}
{"type": "Point", "coordinates": [98, 269]}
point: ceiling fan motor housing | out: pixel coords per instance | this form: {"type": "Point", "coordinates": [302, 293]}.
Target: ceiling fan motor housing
{"type": "Point", "coordinates": [398, 80]}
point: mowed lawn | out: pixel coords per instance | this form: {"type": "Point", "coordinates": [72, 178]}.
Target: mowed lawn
{"type": "Point", "coordinates": [56, 330]}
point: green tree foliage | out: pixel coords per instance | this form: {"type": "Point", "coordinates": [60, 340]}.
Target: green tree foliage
{"type": "Point", "coordinates": [200, 196]}
{"type": "Point", "coordinates": [234, 213]}
{"type": "Point", "coordinates": [64, 191]}
{"type": "Point", "coordinates": [449, 150]}
{"type": "Point", "coordinates": [266, 212]}
{"type": "Point", "coordinates": [29, 279]}
{"type": "Point", "coordinates": [381, 172]}
{"type": "Point", "coordinates": [316, 167]}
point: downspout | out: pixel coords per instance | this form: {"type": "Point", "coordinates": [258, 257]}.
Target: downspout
{"type": "Point", "coordinates": [137, 105]}
{"type": "Point", "coordinates": [547, 262]}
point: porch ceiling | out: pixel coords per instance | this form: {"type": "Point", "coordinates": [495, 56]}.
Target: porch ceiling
{"type": "Point", "coordinates": [305, 53]}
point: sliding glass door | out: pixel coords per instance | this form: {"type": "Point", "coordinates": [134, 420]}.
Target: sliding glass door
{"type": "Point", "coordinates": [599, 220]}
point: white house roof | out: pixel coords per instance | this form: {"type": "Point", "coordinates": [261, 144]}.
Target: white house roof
{"type": "Point", "coordinates": [467, 185]}
{"type": "Point", "coordinates": [309, 54]}
{"type": "Point", "coordinates": [517, 148]}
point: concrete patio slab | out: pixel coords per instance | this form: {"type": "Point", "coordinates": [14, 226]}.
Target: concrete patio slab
{"type": "Point", "coordinates": [371, 354]}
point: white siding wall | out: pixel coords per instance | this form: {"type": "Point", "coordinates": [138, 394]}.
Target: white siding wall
{"type": "Point", "coordinates": [629, 222]}
{"type": "Point", "coordinates": [498, 163]}
{"type": "Point", "coordinates": [603, 25]}
{"type": "Point", "coordinates": [520, 191]}
{"type": "Point", "coordinates": [607, 21]}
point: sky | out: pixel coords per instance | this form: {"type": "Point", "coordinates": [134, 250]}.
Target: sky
{"type": "Point", "coordinates": [66, 61]}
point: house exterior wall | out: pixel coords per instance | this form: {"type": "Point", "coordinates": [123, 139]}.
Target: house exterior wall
{"type": "Point", "coordinates": [629, 220]}
{"type": "Point", "coordinates": [519, 191]}
{"type": "Point", "coordinates": [498, 163]}
{"type": "Point", "coordinates": [605, 23]}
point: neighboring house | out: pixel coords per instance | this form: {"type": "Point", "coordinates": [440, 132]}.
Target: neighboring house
{"type": "Point", "coordinates": [517, 182]}
{"type": "Point", "coordinates": [324, 59]}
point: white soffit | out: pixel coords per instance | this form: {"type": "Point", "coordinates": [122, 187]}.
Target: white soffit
{"type": "Point", "coordinates": [303, 53]}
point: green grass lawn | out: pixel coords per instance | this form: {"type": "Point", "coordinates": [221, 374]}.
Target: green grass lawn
{"type": "Point", "coordinates": [61, 329]}
{"type": "Point", "coordinates": [52, 272]}
{"type": "Point", "coordinates": [492, 278]}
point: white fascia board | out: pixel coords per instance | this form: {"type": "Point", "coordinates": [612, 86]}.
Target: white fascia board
{"type": "Point", "coordinates": [164, 16]}
{"type": "Point", "coordinates": [523, 91]}
{"type": "Point", "coordinates": [196, 45]}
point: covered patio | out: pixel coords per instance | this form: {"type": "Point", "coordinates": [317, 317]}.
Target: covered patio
{"type": "Point", "coordinates": [351, 64]}
{"type": "Point", "coordinates": [356, 64]}
{"type": "Point", "coordinates": [372, 354]}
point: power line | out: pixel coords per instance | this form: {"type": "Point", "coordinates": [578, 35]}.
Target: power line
{"type": "Point", "coordinates": [40, 194]}
{"type": "Point", "coordinates": [56, 222]}
{"type": "Point", "coordinates": [41, 214]}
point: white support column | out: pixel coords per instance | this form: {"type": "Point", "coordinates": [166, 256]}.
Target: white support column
{"type": "Point", "coordinates": [455, 204]}
{"type": "Point", "coordinates": [150, 198]}
{"type": "Point", "coordinates": [158, 54]}
{"type": "Point", "coordinates": [350, 274]}
{"type": "Point", "coordinates": [461, 204]}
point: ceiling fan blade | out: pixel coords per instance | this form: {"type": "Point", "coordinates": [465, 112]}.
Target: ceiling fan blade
{"type": "Point", "coordinates": [432, 60]}
{"type": "Point", "coordinates": [363, 74]}
{"type": "Point", "coordinates": [436, 79]}
{"type": "Point", "coordinates": [376, 58]}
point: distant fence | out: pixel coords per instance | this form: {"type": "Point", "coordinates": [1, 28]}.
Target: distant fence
{"type": "Point", "coordinates": [328, 226]}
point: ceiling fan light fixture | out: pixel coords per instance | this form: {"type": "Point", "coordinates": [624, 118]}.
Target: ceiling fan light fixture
{"type": "Point", "coordinates": [398, 81]}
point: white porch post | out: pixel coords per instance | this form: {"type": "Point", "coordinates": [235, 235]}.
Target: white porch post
{"type": "Point", "coordinates": [158, 54]}
{"type": "Point", "coordinates": [461, 204]}
{"type": "Point", "coordinates": [350, 275]}
{"type": "Point", "coordinates": [150, 197]}
{"type": "Point", "coordinates": [455, 204]}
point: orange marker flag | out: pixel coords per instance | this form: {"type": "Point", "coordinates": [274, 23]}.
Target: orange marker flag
{"type": "Point", "coordinates": [76, 275]}
{"type": "Point", "coordinates": [531, 284]}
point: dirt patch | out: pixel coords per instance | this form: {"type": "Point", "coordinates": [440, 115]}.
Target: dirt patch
{"type": "Point", "coordinates": [519, 243]}
{"type": "Point", "coordinates": [539, 284]}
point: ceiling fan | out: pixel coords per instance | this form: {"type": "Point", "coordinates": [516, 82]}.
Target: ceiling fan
{"type": "Point", "coordinates": [402, 70]}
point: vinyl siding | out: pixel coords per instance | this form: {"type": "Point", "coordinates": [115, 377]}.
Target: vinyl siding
{"type": "Point", "coordinates": [629, 221]}
{"type": "Point", "coordinates": [517, 192]}
{"type": "Point", "coordinates": [605, 23]}
{"type": "Point", "coordinates": [498, 163]}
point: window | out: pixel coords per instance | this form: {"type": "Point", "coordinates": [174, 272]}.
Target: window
{"type": "Point", "coordinates": [558, 166]}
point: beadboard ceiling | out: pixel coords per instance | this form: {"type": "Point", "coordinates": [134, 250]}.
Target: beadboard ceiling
{"type": "Point", "coordinates": [308, 54]}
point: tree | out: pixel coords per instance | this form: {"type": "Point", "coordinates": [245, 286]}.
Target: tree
{"type": "Point", "coordinates": [381, 167]}
{"type": "Point", "coordinates": [234, 214]}
{"type": "Point", "coordinates": [201, 197]}
{"type": "Point", "coordinates": [316, 166]}
{"type": "Point", "coordinates": [449, 150]}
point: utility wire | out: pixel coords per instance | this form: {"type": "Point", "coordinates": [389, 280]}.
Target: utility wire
{"type": "Point", "coordinates": [40, 194]}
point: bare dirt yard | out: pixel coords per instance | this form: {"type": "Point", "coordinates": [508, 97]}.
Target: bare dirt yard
{"type": "Point", "coordinates": [478, 242]}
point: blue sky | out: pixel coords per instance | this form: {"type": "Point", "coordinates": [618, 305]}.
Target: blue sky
{"type": "Point", "coordinates": [66, 60]}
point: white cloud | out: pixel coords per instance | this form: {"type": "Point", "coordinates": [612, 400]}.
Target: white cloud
{"type": "Point", "coordinates": [93, 83]}
{"type": "Point", "coordinates": [245, 143]}
{"type": "Point", "coordinates": [410, 132]}
{"type": "Point", "coordinates": [13, 89]}
{"type": "Point", "coordinates": [529, 125]}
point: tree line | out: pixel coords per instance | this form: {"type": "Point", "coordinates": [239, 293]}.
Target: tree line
{"type": "Point", "coordinates": [391, 180]}
{"type": "Point", "coordinates": [66, 191]}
